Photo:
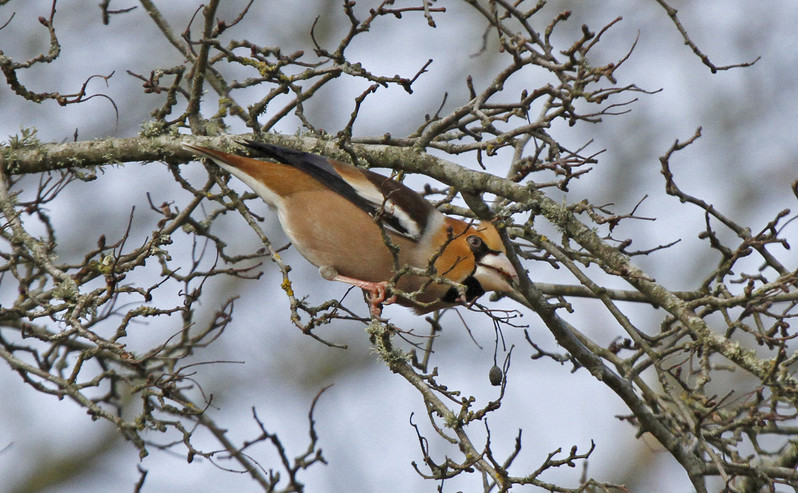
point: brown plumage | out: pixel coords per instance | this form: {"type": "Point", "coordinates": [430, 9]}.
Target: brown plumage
{"type": "Point", "coordinates": [336, 215]}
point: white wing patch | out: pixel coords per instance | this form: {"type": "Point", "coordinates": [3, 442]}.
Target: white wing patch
{"type": "Point", "coordinates": [372, 194]}
{"type": "Point", "coordinates": [411, 226]}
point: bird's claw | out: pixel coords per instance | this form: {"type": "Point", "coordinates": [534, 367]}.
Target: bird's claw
{"type": "Point", "coordinates": [377, 295]}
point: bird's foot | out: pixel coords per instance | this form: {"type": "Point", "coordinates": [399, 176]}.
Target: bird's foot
{"type": "Point", "coordinates": [377, 292]}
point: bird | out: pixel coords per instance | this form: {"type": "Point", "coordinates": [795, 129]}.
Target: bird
{"type": "Point", "coordinates": [370, 231]}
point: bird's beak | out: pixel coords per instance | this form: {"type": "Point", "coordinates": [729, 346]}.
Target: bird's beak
{"type": "Point", "coordinates": [495, 273]}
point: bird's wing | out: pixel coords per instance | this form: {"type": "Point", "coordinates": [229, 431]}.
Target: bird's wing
{"type": "Point", "coordinates": [399, 208]}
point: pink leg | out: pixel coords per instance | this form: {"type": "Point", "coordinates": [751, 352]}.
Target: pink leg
{"type": "Point", "coordinates": [376, 292]}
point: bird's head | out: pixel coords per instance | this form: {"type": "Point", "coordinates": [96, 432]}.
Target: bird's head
{"type": "Point", "coordinates": [479, 250]}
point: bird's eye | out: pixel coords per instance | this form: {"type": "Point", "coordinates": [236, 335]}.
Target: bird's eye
{"type": "Point", "coordinates": [474, 241]}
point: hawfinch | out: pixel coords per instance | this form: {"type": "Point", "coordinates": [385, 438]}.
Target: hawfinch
{"type": "Point", "coordinates": [368, 230]}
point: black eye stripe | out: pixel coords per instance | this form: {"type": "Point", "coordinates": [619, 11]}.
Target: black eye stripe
{"type": "Point", "coordinates": [479, 248]}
